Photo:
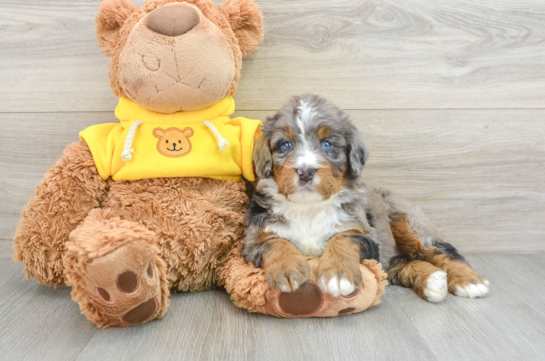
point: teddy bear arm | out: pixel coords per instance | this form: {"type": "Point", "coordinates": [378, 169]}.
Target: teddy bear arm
{"type": "Point", "coordinates": [64, 197]}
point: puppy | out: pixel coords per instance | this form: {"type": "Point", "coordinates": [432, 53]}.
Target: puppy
{"type": "Point", "coordinates": [309, 200]}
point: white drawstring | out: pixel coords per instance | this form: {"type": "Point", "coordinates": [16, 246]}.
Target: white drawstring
{"type": "Point", "coordinates": [127, 149]}
{"type": "Point", "coordinates": [222, 142]}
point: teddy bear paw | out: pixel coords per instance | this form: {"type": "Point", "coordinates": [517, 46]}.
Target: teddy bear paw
{"type": "Point", "coordinates": [125, 285]}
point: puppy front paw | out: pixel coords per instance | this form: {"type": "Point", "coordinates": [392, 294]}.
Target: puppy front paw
{"type": "Point", "coordinates": [288, 273]}
{"type": "Point", "coordinates": [336, 285]}
{"type": "Point", "coordinates": [339, 278]}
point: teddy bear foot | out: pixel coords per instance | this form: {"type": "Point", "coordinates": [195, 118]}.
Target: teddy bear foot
{"type": "Point", "coordinates": [249, 289]}
{"type": "Point", "coordinates": [118, 279]}
{"type": "Point", "coordinates": [309, 300]}
{"type": "Point", "coordinates": [126, 285]}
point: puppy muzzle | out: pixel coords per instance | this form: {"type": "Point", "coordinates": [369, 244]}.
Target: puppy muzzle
{"type": "Point", "coordinates": [306, 175]}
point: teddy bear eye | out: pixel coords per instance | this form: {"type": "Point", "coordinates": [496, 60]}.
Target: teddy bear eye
{"type": "Point", "coordinates": [167, 141]}
{"type": "Point", "coordinates": [151, 63]}
{"type": "Point", "coordinates": [179, 141]}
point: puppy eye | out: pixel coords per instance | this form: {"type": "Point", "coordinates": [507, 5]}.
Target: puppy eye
{"type": "Point", "coordinates": [326, 145]}
{"type": "Point", "coordinates": [285, 146]}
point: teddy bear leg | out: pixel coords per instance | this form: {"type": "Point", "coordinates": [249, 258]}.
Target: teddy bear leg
{"type": "Point", "coordinates": [116, 273]}
{"type": "Point", "coordinates": [69, 190]}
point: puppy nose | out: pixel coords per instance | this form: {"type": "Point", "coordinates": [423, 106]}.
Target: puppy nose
{"type": "Point", "coordinates": [306, 174]}
{"type": "Point", "coordinates": [173, 20]}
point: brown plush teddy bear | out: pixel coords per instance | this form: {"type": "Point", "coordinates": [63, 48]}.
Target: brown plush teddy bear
{"type": "Point", "coordinates": [121, 217]}
{"type": "Point", "coordinates": [156, 203]}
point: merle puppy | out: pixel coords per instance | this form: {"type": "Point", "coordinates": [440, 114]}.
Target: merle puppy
{"type": "Point", "coordinates": [310, 200]}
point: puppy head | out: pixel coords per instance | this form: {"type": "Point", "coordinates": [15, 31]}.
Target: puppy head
{"type": "Point", "coordinates": [311, 149]}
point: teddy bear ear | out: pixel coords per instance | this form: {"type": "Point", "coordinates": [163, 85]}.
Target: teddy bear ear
{"type": "Point", "coordinates": [111, 17]}
{"type": "Point", "coordinates": [247, 22]}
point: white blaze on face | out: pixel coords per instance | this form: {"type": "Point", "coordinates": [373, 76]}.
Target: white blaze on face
{"type": "Point", "coordinates": [306, 156]}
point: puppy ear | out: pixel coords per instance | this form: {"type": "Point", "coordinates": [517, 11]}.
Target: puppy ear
{"type": "Point", "coordinates": [263, 155]}
{"type": "Point", "coordinates": [246, 20]}
{"type": "Point", "coordinates": [111, 17]}
{"type": "Point", "coordinates": [357, 154]}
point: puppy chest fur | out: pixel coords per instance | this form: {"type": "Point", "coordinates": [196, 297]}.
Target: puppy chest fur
{"type": "Point", "coordinates": [310, 226]}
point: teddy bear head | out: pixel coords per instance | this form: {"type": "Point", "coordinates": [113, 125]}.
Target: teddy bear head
{"type": "Point", "coordinates": [174, 55]}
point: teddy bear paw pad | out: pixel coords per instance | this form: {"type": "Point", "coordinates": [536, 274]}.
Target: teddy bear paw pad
{"type": "Point", "coordinates": [142, 312]}
{"type": "Point", "coordinates": [125, 284]}
{"type": "Point", "coordinates": [306, 300]}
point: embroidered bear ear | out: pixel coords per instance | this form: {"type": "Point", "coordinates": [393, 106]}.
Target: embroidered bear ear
{"type": "Point", "coordinates": [158, 133]}
{"type": "Point", "coordinates": [187, 132]}
{"type": "Point", "coordinates": [112, 14]}
{"type": "Point", "coordinates": [246, 20]}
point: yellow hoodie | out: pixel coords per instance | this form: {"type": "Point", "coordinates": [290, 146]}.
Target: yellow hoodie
{"type": "Point", "coordinates": [146, 144]}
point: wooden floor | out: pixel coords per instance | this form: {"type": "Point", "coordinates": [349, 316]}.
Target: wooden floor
{"type": "Point", "coordinates": [38, 322]}
{"type": "Point", "coordinates": [449, 96]}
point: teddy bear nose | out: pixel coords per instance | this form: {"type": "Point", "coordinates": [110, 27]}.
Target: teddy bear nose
{"type": "Point", "coordinates": [173, 20]}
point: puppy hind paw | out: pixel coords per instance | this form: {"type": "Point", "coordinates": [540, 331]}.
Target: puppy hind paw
{"type": "Point", "coordinates": [436, 287]}
{"type": "Point", "coordinates": [472, 290]}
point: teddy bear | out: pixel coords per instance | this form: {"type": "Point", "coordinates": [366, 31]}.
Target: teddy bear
{"type": "Point", "coordinates": [125, 218]}
{"type": "Point", "coordinates": [156, 202]}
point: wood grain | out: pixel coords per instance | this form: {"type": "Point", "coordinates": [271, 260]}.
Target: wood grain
{"type": "Point", "coordinates": [362, 54]}
{"type": "Point", "coordinates": [449, 98]}
{"type": "Point", "coordinates": [37, 322]}
{"type": "Point", "coordinates": [478, 174]}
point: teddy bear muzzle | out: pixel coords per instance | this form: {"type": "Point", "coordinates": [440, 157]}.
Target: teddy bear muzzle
{"type": "Point", "coordinates": [173, 20]}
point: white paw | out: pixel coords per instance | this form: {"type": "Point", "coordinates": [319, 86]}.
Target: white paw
{"type": "Point", "coordinates": [473, 290]}
{"type": "Point", "coordinates": [436, 288]}
{"type": "Point", "coordinates": [336, 286]}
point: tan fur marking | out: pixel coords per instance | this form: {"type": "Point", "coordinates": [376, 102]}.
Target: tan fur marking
{"type": "Point", "coordinates": [286, 268]}
{"type": "Point", "coordinates": [414, 275]}
{"type": "Point", "coordinates": [331, 181]}
{"type": "Point", "coordinates": [458, 273]}
{"type": "Point", "coordinates": [288, 132]}
{"type": "Point", "coordinates": [284, 177]}
{"type": "Point", "coordinates": [323, 132]}
{"type": "Point", "coordinates": [408, 243]}
{"type": "Point", "coordinates": [263, 236]}
{"type": "Point", "coordinates": [341, 258]}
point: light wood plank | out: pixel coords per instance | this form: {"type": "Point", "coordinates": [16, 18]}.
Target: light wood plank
{"type": "Point", "coordinates": [362, 54]}
{"type": "Point", "coordinates": [207, 326]}
{"type": "Point", "coordinates": [501, 320]}
{"type": "Point", "coordinates": [478, 174]}
{"type": "Point", "coordinates": [37, 322]}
